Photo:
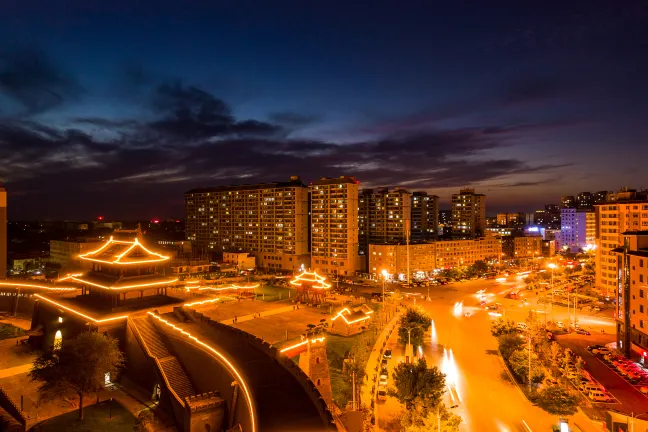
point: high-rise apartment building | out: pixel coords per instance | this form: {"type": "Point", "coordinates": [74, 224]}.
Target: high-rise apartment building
{"type": "Point", "coordinates": [383, 216]}
{"type": "Point", "coordinates": [334, 225]}
{"type": "Point", "coordinates": [425, 216]}
{"type": "Point", "coordinates": [3, 232]}
{"type": "Point", "coordinates": [631, 292]}
{"type": "Point", "coordinates": [578, 230]}
{"type": "Point", "coordinates": [468, 213]}
{"type": "Point", "coordinates": [269, 220]}
{"type": "Point", "coordinates": [549, 217]}
{"type": "Point", "coordinates": [626, 210]}
{"type": "Point", "coordinates": [445, 222]}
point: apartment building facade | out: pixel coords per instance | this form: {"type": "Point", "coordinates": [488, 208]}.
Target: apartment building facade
{"type": "Point", "coordinates": [334, 226]}
{"type": "Point", "coordinates": [522, 247]}
{"type": "Point", "coordinates": [425, 216]}
{"type": "Point", "coordinates": [631, 292]}
{"type": "Point", "coordinates": [624, 211]}
{"type": "Point", "coordinates": [66, 253]}
{"type": "Point", "coordinates": [427, 257]}
{"type": "Point", "coordinates": [468, 214]}
{"type": "Point", "coordinates": [511, 220]}
{"type": "Point", "coordinates": [578, 229]}
{"type": "Point", "coordinates": [383, 217]}
{"type": "Point", "coordinates": [269, 221]}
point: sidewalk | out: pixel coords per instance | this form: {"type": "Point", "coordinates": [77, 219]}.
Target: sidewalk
{"type": "Point", "coordinates": [373, 362]}
{"type": "Point", "coordinates": [16, 370]}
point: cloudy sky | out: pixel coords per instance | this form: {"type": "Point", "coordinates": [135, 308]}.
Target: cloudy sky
{"type": "Point", "coordinates": [117, 108]}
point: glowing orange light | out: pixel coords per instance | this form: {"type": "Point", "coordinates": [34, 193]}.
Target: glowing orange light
{"type": "Point", "coordinates": [311, 277]}
{"type": "Point", "coordinates": [230, 366]}
{"type": "Point", "coordinates": [25, 285]}
{"type": "Point", "coordinates": [201, 302]}
{"type": "Point", "coordinates": [303, 343]}
{"type": "Point", "coordinates": [69, 276]}
{"type": "Point", "coordinates": [146, 285]}
{"type": "Point", "coordinates": [76, 312]}
{"type": "Point", "coordinates": [135, 243]}
{"type": "Point", "coordinates": [231, 287]}
{"type": "Point", "coordinates": [340, 314]}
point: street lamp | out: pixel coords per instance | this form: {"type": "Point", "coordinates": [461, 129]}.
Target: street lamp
{"type": "Point", "coordinates": [385, 274]}
{"type": "Point", "coordinates": [552, 266]}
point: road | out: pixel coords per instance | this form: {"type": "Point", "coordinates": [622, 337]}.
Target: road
{"type": "Point", "coordinates": [485, 400]}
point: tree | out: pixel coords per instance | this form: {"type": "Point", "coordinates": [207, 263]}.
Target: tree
{"type": "Point", "coordinates": [79, 366]}
{"type": "Point", "coordinates": [557, 401]}
{"type": "Point", "coordinates": [554, 353]}
{"type": "Point", "coordinates": [519, 362]}
{"type": "Point", "coordinates": [416, 385]}
{"type": "Point", "coordinates": [478, 267]}
{"type": "Point", "coordinates": [502, 326]}
{"type": "Point", "coordinates": [508, 343]}
{"type": "Point", "coordinates": [415, 421]}
{"type": "Point", "coordinates": [412, 326]}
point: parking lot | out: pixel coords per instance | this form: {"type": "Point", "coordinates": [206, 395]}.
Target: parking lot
{"type": "Point", "coordinates": [630, 399]}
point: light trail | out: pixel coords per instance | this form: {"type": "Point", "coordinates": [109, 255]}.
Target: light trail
{"type": "Point", "coordinates": [433, 333]}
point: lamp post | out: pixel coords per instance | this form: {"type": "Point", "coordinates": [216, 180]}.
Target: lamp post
{"type": "Point", "coordinates": [552, 266]}
{"type": "Point", "coordinates": [384, 274]}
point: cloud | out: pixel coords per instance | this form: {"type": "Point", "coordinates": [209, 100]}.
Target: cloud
{"type": "Point", "coordinates": [292, 119]}
{"type": "Point", "coordinates": [34, 82]}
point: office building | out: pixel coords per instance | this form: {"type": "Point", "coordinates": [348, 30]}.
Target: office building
{"type": "Point", "coordinates": [626, 210]}
{"type": "Point", "coordinates": [468, 214]}
{"type": "Point", "coordinates": [427, 257]}
{"type": "Point", "coordinates": [269, 221]}
{"type": "Point", "coordinates": [383, 217]}
{"type": "Point", "coordinates": [425, 217]}
{"type": "Point", "coordinates": [511, 220]}
{"type": "Point", "coordinates": [631, 264]}
{"type": "Point", "coordinates": [578, 231]}
{"type": "Point", "coordinates": [522, 247]}
{"type": "Point", "coordinates": [66, 253]}
{"type": "Point", "coordinates": [3, 232]}
{"type": "Point", "coordinates": [334, 226]}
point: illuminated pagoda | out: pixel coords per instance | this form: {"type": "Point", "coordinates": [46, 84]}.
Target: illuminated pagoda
{"type": "Point", "coordinates": [350, 321]}
{"type": "Point", "coordinates": [123, 269]}
{"type": "Point", "coordinates": [311, 287]}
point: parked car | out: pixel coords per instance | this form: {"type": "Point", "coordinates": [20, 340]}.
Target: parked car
{"type": "Point", "coordinates": [643, 390]}
{"type": "Point", "coordinates": [582, 331]}
{"type": "Point", "coordinates": [602, 350]}
{"type": "Point", "coordinates": [598, 396]}
{"type": "Point", "coordinates": [383, 364]}
{"type": "Point", "coordinates": [388, 353]}
{"type": "Point", "coordinates": [382, 382]}
{"type": "Point", "coordinates": [522, 326]}
{"type": "Point", "coordinates": [382, 393]}
{"type": "Point", "coordinates": [560, 325]}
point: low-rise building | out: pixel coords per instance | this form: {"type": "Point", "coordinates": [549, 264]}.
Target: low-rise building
{"type": "Point", "coordinates": [243, 260]}
{"type": "Point", "coordinates": [66, 253]}
{"type": "Point", "coordinates": [427, 257]}
{"type": "Point", "coordinates": [521, 247]}
{"type": "Point", "coordinates": [548, 248]}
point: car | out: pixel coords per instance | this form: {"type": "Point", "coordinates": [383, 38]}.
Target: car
{"type": "Point", "coordinates": [522, 326]}
{"type": "Point", "coordinates": [590, 348]}
{"type": "Point", "coordinates": [382, 393]}
{"type": "Point", "coordinates": [382, 382]}
{"type": "Point", "coordinates": [602, 350]}
{"type": "Point", "coordinates": [582, 331]}
{"type": "Point", "coordinates": [643, 390]}
{"type": "Point", "coordinates": [384, 363]}
{"type": "Point", "coordinates": [388, 353]}
{"type": "Point", "coordinates": [560, 325]}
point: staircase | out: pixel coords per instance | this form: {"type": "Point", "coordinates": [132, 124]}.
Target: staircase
{"type": "Point", "coordinates": [177, 378]}
{"type": "Point", "coordinates": [170, 367]}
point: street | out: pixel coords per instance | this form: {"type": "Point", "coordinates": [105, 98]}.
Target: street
{"type": "Point", "coordinates": [485, 398]}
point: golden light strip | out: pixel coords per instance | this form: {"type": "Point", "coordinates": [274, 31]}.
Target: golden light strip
{"type": "Point", "coordinates": [227, 288]}
{"type": "Point", "coordinates": [68, 277]}
{"type": "Point", "coordinates": [244, 386]}
{"type": "Point", "coordinates": [202, 302]}
{"type": "Point", "coordinates": [88, 256]}
{"type": "Point", "coordinates": [303, 343]}
{"type": "Point", "coordinates": [339, 315]}
{"type": "Point", "coordinates": [151, 284]}
{"type": "Point", "coordinates": [24, 285]}
{"type": "Point", "coordinates": [76, 312]}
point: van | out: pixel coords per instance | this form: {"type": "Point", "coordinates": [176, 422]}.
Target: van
{"type": "Point", "coordinates": [598, 396]}
{"type": "Point", "coordinates": [591, 387]}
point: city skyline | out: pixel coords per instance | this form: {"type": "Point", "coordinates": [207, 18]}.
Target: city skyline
{"type": "Point", "coordinates": [99, 121]}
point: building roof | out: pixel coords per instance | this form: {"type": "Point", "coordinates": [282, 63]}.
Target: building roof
{"type": "Point", "coordinates": [337, 180]}
{"type": "Point", "coordinates": [313, 278]}
{"type": "Point", "coordinates": [102, 281]}
{"type": "Point", "coordinates": [640, 232]}
{"type": "Point", "coordinates": [123, 252]}
{"type": "Point", "coordinates": [293, 182]}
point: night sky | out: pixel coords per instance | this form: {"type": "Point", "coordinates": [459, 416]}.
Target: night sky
{"type": "Point", "coordinates": [118, 107]}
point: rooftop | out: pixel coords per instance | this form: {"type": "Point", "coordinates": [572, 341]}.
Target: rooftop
{"type": "Point", "coordinates": [293, 182]}
{"type": "Point", "coordinates": [123, 252]}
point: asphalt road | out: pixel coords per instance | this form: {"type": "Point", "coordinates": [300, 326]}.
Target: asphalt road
{"type": "Point", "coordinates": [485, 399]}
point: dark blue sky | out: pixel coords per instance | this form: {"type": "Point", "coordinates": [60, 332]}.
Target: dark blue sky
{"type": "Point", "coordinates": [117, 108]}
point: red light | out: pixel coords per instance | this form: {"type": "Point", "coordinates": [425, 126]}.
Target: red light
{"type": "Point", "coordinates": [644, 353]}
{"type": "Point", "coordinates": [177, 221]}
{"type": "Point", "coordinates": [155, 221]}
{"type": "Point", "coordinates": [100, 218]}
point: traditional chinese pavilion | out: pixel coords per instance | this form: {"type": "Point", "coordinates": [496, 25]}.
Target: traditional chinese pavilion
{"type": "Point", "coordinates": [311, 287]}
{"type": "Point", "coordinates": [123, 269]}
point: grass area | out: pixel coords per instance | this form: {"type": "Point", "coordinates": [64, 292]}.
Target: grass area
{"type": "Point", "coordinates": [8, 331]}
{"type": "Point", "coordinates": [273, 293]}
{"type": "Point", "coordinates": [96, 419]}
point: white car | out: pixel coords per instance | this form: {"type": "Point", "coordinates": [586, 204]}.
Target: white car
{"type": "Point", "coordinates": [382, 393]}
{"type": "Point", "coordinates": [560, 325]}
{"type": "Point", "coordinates": [522, 326]}
{"type": "Point", "coordinates": [602, 351]}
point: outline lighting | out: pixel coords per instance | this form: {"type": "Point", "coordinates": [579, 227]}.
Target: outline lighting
{"type": "Point", "coordinates": [117, 258]}
{"type": "Point", "coordinates": [201, 302]}
{"type": "Point", "coordinates": [150, 284]}
{"type": "Point", "coordinates": [76, 312]}
{"type": "Point", "coordinates": [239, 377]}
{"type": "Point", "coordinates": [303, 343]}
{"type": "Point", "coordinates": [313, 277]}
{"type": "Point", "coordinates": [24, 285]}
{"type": "Point", "coordinates": [340, 314]}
